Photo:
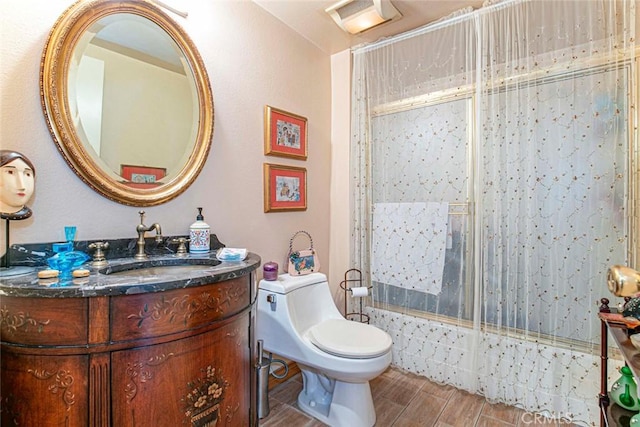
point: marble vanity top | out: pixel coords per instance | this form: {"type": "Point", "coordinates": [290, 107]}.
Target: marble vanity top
{"type": "Point", "coordinates": [160, 279]}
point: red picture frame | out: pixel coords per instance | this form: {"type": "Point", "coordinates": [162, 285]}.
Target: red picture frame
{"type": "Point", "coordinates": [285, 188]}
{"type": "Point", "coordinates": [142, 176]}
{"type": "Point", "coordinates": [285, 134]}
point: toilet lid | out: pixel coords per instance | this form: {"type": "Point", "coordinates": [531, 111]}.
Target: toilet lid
{"type": "Point", "coordinates": [346, 338]}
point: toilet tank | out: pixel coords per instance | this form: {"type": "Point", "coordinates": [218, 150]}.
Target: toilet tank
{"type": "Point", "coordinates": [287, 283]}
{"type": "Point", "coordinates": [307, 299]}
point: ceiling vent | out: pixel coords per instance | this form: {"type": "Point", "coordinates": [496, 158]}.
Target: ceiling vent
{"type": "Point", "coordinates": [356, 16]}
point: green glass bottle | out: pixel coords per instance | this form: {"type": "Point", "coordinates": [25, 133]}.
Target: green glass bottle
{"type": "Point", "coordinates": [624, 391]}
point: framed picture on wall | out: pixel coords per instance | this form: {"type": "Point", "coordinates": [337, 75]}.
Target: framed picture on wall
{"type": "Point", "coordinates": [142, 176]}
{"type": "Point", "coordinates": [285, 188]}
{"type": "Point", "coordinates": [285, 134]}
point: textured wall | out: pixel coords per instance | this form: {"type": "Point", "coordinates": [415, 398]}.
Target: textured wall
{"type": "Point", "coordinates": [252, 60]}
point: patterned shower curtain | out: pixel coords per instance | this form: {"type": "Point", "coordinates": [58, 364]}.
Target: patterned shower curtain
{"type": "Point", "coordinates": [518, 120]}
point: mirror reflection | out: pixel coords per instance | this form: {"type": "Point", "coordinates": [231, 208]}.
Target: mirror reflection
{"type": "Point", "coordinates": [127, 100]}
{"type": "Point", "coordinates": [133, 99]}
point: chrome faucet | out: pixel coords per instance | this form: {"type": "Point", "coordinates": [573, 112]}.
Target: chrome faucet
{"type": "Point", "coordinates": [141, 229]}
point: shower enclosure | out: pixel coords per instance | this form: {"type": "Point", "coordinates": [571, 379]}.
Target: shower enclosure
{"type": "Point", "coordinates": [495, 181]}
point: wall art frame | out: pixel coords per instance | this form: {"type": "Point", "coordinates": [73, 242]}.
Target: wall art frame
{"type": "Point", "coordinates": [142, 176]}
{"type": "Point", "coordinates": [285, 134]}
{"type": "Point", "coordinates": [285, 188]}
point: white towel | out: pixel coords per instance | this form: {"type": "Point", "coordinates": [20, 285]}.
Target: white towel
{"type": "Point", "coordinates": [409, 243]}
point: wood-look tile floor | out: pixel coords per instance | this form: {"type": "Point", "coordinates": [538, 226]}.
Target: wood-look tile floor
{"type": "Point", "coordinates": [406, 400]}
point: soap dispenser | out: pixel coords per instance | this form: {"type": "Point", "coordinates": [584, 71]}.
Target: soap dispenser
{"type": "Point", "coordinates": [199, 240]}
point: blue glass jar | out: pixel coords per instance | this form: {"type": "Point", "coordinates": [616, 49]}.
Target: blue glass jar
{"type": "Point", "coordinates": [67, 261]}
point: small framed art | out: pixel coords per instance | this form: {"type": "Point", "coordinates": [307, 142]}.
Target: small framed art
{"type": "Point", "coordinates": [142, 176]}
{"type": "Point", "coordinates": [285, 134]}
{"type": "Point", "coordinates": [285, 188]}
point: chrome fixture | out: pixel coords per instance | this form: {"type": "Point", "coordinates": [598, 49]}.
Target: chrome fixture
{"type": "Point", "coordinates": [141, 229]}
{"type": "Point", "coordinates": [182, 247]}
{"type": "Point", "coordinates": [99, 260]}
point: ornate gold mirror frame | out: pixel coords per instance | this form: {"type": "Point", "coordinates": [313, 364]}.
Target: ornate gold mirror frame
{"type": "Point", "coordinates": [55, 96]}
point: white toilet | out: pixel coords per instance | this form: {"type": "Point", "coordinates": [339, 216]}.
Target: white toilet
{"type": "Point", "coordinates": [298, 320]}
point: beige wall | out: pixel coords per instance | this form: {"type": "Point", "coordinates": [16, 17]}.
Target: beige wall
{"type": "Point", "coordinates": [252, 60]}
{"type": "Point", "coordinates": [135, 103]}
{"type": "Point", "coordinates": [339, 248]}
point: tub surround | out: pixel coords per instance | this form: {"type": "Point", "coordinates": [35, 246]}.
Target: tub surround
{"type": "Point", "coordinates": [140, 349]}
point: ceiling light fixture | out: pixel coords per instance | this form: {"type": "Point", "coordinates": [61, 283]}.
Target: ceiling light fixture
{"type": "Point", "coordinates": [356, 16]}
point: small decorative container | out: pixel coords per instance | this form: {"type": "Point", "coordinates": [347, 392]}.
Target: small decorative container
{"type": "Point", "coordinates": [624, 391]}
{"type": "Point", "coordinates": [67, 261]}
{"type": "Point", "coordinates": [199, 235]}
{"type": "Point", "coordinates": [270, 271]}
{"type": "Point", "coordinates": [632, 308]}
{"type": "Point", "coordinates": [62, 247]}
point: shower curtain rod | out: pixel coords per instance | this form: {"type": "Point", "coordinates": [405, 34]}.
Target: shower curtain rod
{"type": "Point", "coordinates": [453, 18]}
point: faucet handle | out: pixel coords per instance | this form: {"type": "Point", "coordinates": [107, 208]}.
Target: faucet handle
{"type": "Point", "coordinates": [182, 248]}
{"type": "Point", "coordinates": [141, 216]}
{"type": "Point", "coordinates": [99, 259]}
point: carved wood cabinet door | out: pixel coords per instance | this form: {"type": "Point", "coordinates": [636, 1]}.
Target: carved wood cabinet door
{"type": "Point", "coordinates": [198, 381]}
{"type": "Point", "coordinates": [51, 385]}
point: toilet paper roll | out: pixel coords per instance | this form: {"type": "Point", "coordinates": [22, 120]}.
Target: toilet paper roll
{"type": "Point", "coordinates": [362, 291]}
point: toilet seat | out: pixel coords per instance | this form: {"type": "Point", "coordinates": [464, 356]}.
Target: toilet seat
{"type": "Point", "coordinates": [349, 339]}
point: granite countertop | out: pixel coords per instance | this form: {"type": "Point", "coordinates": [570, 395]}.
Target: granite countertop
{"type": "Point", "coordinates": [101, 283]}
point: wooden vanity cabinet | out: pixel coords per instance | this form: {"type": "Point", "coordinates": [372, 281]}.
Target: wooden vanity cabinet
{"type": "Point", "coordinates": [181, 357]}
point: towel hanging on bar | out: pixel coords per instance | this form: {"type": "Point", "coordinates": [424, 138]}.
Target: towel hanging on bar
{"type": "Point", "coordinates": [409, 243]}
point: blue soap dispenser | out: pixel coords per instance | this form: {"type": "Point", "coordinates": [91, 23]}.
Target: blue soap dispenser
{"type": "Point", "coordinates": [199, 235]}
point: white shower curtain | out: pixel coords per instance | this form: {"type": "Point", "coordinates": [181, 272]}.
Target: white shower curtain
{"type": "Point", "coordinates": [520, 117]}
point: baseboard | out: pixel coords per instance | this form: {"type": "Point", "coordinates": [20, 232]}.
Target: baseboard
{"type": "Point", "coordinates": [293, 370]}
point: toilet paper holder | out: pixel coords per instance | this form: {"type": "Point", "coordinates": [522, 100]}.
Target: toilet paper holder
{"type": "Point", "coordinates": [353, 287]}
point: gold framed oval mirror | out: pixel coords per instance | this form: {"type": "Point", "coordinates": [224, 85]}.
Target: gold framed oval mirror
{"type": "Point", "coordinates": [127, 100]}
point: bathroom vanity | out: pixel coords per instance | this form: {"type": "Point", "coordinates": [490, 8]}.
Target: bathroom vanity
{"type": "Point", "coordinates": [154, 343]}
{"type": "Point", "coordinates": [163, 341]}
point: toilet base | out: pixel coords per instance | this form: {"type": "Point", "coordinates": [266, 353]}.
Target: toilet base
{"type": "Point", "coordinates": [336, 403]}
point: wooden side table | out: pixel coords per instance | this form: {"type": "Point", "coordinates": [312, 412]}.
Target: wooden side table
{"type": "Point", "coordinates": [611, 321]}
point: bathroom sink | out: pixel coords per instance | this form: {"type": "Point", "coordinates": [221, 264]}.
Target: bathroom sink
{"type": "Point", "coordinates": [160, 267]}
{"type": "Point", "coordinates": [157, 271]}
